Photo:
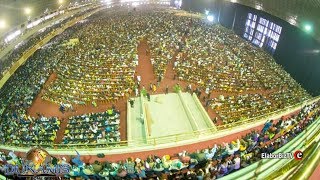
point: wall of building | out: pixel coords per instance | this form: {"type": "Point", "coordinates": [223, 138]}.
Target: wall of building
{"type": "Point", "coordinates": [296, 50]}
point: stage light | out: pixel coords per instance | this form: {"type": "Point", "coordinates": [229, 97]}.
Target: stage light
{"type": "Point", "coordinates": [3, 24]}
{"type": "Point", "coordinates": [308, 27]}
{"type": "Point", "coordinates": [210, 18]}
{"type": "Point", "coordinates": [60, 1]}
{"type": "Point", "coordinates": [292, 20]}
{"type": "Point", "coordinates": [27, 10]}
{"type": "Point", "coordinates": [259, 6]}
{"type": "Point", "coordinates": [207, 12]}
{"type": "Point", "coordinates": [135, 4]}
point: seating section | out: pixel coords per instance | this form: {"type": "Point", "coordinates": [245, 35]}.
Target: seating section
{"type": "Point", "coordinates": [241, 107]}
{"type": "Point", "coordinates": [215, 57]}
{"type": "Point", "coordinates": [17, 95]}
{"type": "Point", "coordinates": [93, 128]}
{"type": "Point", "coordinates": [214, 162]}
{"type": "Point", "coordinates": [101, 67]}
{"type": "Point", "coordinates": [8, 60]}
{"type": "Point", "coordinates": [28, 131]}
{"type": "Point", "coordinates": [208, 60]}
{"type": "Point", "coordinates": [165, 33]}
{"type": "Point", "coordinates": [217, 60]}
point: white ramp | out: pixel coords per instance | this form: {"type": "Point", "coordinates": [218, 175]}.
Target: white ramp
{"type": "Point", "coordinates": [195, 111]}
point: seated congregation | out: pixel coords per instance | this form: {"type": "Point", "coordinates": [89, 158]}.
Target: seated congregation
{"type": "Point", "coordinates": [99, 128]}
{"type": "Point", "coordinates": [214, 162]}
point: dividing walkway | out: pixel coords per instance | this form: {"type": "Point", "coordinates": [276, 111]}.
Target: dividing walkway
{"type": "Point", "coordinates": [144, 68]}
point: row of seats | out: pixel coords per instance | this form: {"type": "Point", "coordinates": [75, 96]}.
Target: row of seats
{"type": "Point", "coordinates": [93, 128]}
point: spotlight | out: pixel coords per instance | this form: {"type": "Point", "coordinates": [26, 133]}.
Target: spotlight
{"type": "Point", "coordinates": [135, 4]}
{"type": "Point", "coordinates": [308, 27]}
{"type": "Point", "coordinates": [27, 10]}
{"type": "Point", "coordinates": [210, 18]}
{"type": "Point", "coordinates": [3, 24]}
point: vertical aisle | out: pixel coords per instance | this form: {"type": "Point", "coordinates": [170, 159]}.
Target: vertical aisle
{"type": "Point", "coordinates": [145, 68]}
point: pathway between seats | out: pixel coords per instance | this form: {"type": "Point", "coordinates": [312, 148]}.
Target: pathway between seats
{"type": "Point", "coordinates": [145, 68]}
{"type": "Point", "coordinates": [50, 109]}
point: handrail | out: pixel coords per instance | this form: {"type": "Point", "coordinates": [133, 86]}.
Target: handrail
{"type": "Point", "coordinates": [183, 136]}
{"type": "Point", "coordinates": [265, 167]}
{"type": "Point", "coordinates": [309, 165]}
{"type": "Point", "coordinates": [293, 167]}
{"type": "Point", "coordinates": [204, 114]}
{"type": "Point", "coordinates": [136, 142]}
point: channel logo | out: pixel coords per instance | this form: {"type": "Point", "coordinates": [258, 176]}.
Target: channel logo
{"type": "Point", "coordinates": [298, 155]}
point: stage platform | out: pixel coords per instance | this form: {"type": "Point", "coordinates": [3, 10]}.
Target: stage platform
{"type": "Point", "coordinates": [165, 116]}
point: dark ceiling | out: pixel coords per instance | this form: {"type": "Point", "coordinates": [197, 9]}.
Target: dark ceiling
{"type": "Point", "coordinates": [296, 12]}
{"type": "Point", "coordinates": [12, 11]}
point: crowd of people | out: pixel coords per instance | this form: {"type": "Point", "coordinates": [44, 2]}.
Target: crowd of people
{"type": "Point", "coordinates": [93, 128]}
{"type": "Point", "coordinates": [27, 131]}
{"type": "Point", "coordinates": [215, 59]}
{"type": "Point", "coordinates": [19, 50]}
{"type": "Point", "coordinates": [18, 93]}
{"type": "Point", "coordinates": [165, 36]}
{"type": "Point", "coordinates": [241, 107]}
{"type": "Point", "coordinates": [101, 66]}
{"type": "Point", "coordinates": [214, 162]}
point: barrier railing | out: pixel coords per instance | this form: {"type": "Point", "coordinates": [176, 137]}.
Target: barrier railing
{"type": "Point", "coordinates": [266, 167]}
{"type": "Point", "coordinates": [304, 168]}
{"type": "Point", "coordinates": [153, 141]}
{"type": "Point", "coordinates": [208, 133]}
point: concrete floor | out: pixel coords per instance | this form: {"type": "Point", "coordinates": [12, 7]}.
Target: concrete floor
{"type": "Point", "coordinates": [167, 117]}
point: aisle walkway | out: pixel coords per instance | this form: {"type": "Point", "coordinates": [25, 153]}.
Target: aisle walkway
{"type": "Point", "coordinates": [50, 109]}
{"type": "Point", "coordinates": [144, 68]}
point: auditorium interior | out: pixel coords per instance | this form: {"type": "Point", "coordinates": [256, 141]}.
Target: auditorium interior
{"type": "Point", "coordinates": [159, 89]}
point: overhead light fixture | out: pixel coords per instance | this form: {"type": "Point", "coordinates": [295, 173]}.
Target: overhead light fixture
{"type": "Point", "coordinates": [210, 18]}
{"type": "Point", "coordinates": [259, 6]}
{"type": "Point", "coordinates": [3, 24]}
{"type": "Point", "coordinates": [135, 4]}
{"type": "Point", "coordinates": [292, 20]}
{"type": "Point", "coordinates": [308, 27]}
{"type": "Point", "coordinates": [27, 10]}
